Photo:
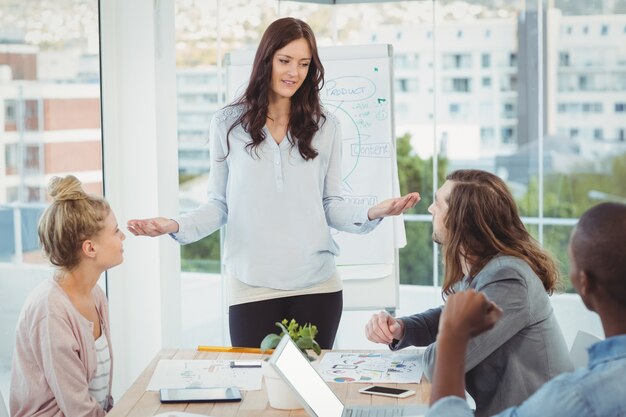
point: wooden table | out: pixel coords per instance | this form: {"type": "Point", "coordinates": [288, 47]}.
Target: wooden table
{"type": "Point", "coordinates": [138, 402]}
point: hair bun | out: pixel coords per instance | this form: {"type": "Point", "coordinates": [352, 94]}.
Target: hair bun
{"type": "Point", "coordinates": [68, 188]}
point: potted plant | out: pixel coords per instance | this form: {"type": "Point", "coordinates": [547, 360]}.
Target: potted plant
{"type": "Point", "coordinates": [279, 393]}
{"type": "Point", "coordinates": [303, 336]}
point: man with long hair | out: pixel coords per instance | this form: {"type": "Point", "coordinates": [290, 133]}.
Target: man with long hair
{"type": "Point", "coordinates": [486, 247]}
{"type": "Point", "coordinates": [597, 265]}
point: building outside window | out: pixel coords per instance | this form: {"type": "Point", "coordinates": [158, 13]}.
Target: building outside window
{"type": "Point", "coordinates": [50, 90]}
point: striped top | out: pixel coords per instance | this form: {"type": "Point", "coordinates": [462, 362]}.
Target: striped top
{"type": "Point", "coordinates": [99, 385]}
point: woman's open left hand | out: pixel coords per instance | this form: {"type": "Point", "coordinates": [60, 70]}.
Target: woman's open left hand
{"type": "Point", "coordinates": [393, 206]}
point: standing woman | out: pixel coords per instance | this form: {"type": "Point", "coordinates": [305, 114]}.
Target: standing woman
{"type": "Point", "coordinates": [63, 361]}
{"type": "Point", "coordinates": [276, 179]}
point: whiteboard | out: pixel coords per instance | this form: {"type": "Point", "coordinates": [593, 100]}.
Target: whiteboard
{"type": "Point", "coordinates": [358, 90]}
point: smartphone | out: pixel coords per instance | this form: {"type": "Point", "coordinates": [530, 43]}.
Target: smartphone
{"type": "Point", "coordinates": [388, 392]}
{"type": "Point", "coordinates": [197, 395]}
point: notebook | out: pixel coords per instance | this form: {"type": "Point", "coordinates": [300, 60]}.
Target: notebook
{"type": "Point", "coordinates": [316, 396]}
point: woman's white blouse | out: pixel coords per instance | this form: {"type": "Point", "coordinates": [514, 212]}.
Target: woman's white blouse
{"type": "Point", "coordinates": [277, 206]}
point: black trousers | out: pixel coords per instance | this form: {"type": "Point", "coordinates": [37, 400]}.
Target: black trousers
{"type": "Point", "coordinates": [249, 323]}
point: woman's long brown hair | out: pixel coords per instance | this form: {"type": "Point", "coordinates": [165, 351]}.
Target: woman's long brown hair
{"type": "Point", "coordinates": [482, 222]}
{"type": "Point", "coordinates": [305, 113]}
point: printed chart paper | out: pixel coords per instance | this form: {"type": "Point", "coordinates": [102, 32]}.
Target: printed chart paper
{"type": "Point", "coordinates": [203, 374]}
{"type": "Point", "coordinates": [371, 367]}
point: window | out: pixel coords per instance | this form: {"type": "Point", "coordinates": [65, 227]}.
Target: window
{"type": "Point", "coordinates": [508, 83]}
{"type": "Point", "coordinates": [405, 85]}
{"type": "Point", "coordinates": [461, 85]}
{"type": "Point", "coordinates": [51, 126]}
{"type": "Point", "coordinates": [508, 111]}
{"type": "Point", "coordinates": [573, 100]}
{"type": "Point", "coordinates": [456, 85]}
{"type": "Point", "coordinates": [508, 134]}
{"type": "Point", "coordinates": [604, 30]}
{"type": "Point", "coordinates": [11, 158]}
{"type": "Point", "coordinates": [592, 107]}
{"type": "Point", "coordinates": [487, 140]}
{"type": "Point", "coordinates": [33, 162]}
{"type": "Point", "coordinates": [10, 111]}
{"type": "Point", "coordinates": [598, 134]}
{"type": "Point", "coordinates": [486, 60]}
{"type": "Point", "coordinates": [457, 61]}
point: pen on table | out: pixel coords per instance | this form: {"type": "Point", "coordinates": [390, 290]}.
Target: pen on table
{"type": "Point", "coordinates": [232, 349]}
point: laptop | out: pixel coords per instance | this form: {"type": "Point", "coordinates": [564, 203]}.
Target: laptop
{"type": "Point", "coordinates": [316, 396]}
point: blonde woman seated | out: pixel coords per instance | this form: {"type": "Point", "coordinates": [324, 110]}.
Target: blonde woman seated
{"type": "Point", "coordinates": [63, 360]}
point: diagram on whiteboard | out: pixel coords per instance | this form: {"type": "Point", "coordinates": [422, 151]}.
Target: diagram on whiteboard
{"type": "Point", "coordinates": [371, 367]}
{"type": "Point", "coordinates": [361, 100]}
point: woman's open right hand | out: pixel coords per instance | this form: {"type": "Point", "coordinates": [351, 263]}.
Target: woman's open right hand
{"type": "Point", "coordinates": [155, 226]}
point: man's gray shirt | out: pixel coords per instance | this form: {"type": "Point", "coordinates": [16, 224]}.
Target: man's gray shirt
{"type": "Point", "coordinates": [508, 363]}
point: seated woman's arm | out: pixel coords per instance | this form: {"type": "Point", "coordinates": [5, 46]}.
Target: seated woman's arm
{"type": "Point", "coordinates": [58, 354]}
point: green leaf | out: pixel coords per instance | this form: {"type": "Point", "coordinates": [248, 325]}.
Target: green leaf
{"type": "Point", "coordinates": [270, 341]}
{"type": "Point", "coordinates": [282, 327]}
{"type": "Point", "coordinates": [306, 331]}
{"type": "Point", "coordinates": [304, 343]}
{"type": "Point", "coordinates": [316, 348]}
